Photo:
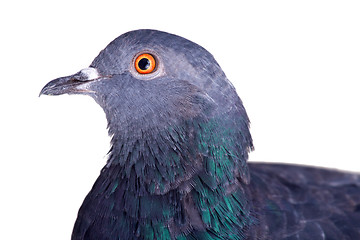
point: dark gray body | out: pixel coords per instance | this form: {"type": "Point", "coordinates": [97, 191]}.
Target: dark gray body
{"type": "Point", "coordinates": [178, 166]}
{"type": "Point", "coordinates": [305, 202]}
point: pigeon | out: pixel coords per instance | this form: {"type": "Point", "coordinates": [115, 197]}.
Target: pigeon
{"type": "Point", "coordinates": [177, 168]}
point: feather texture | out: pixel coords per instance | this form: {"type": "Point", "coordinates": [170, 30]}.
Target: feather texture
{"type": "Point", "coordinates": [177, 168]}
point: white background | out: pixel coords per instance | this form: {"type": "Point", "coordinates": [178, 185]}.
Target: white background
{"type": "Point", "coordinates": [295, 64]}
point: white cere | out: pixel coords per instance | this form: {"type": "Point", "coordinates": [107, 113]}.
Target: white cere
{"type": "Point", "coordinates": [88, 74]}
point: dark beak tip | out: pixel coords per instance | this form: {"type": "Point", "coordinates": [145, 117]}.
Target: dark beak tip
{"type": "Point", "coordinates": [45, 89]}
{"type": "Point", "coordinates": [42, 92]}
{"type": "Point", "coordinates": [55, 87]}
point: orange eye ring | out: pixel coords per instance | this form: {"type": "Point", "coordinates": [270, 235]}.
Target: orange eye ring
{"type": "Point", "coordinates": [145, 63]}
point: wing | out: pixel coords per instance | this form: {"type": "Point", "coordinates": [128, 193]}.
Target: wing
{"type": "Point", "coordinates": [295, 202]}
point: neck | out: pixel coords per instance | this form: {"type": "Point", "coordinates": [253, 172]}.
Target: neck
{"type": "Point", "coordinates": [184, 179]}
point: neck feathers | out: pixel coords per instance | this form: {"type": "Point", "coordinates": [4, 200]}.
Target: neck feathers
{"type": "Point", "coordinates": [187, 181]}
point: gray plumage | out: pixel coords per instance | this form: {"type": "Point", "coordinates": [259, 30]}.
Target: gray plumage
{"type": "Point", "coordinates": [178, 166]}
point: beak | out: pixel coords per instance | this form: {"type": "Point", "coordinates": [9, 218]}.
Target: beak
{"type": "Point", "coordinates": [79, 83]}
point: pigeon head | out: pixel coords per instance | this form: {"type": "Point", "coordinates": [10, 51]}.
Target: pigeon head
{"type": "Point", "coordinates": [163, 94]}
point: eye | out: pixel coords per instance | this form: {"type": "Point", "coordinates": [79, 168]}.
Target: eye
{"type": "Point", "coordinates": [145, 63]}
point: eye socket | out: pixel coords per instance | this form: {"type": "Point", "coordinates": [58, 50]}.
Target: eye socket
{"type": "Point", "coordinates": [145, 63]}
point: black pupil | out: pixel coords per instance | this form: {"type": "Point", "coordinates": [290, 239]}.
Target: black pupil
{"type": "Point", "coordinates": [144, 64]}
